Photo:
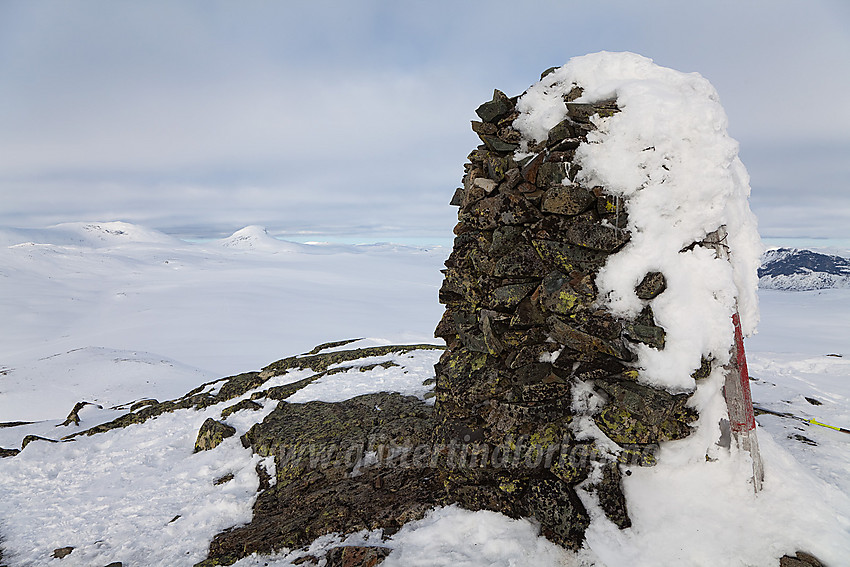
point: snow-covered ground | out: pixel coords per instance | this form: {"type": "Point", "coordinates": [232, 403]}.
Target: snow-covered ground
{"type": "Point", "coordinates": [111, 313]}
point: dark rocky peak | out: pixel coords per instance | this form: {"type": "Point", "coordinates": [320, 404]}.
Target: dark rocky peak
{"type": "Point", "coordinates": [794, 269]}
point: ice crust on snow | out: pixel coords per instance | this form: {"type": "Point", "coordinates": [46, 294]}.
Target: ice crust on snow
{"type": "Point", "coordinates": [667, 154]}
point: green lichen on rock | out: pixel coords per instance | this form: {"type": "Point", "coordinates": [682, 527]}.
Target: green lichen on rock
{"type": "Point", "coordinates": [241, 384]}
{"type": "Point", "coordinates": [321, 362]}
{"type": "Point", "coordinates": [565, 519]}
{"type": "Point", "coordinates": [340, 467]}
{"type": "Point", "coordinates": [240, 406]}
{"type": "Point", "coordinates": [332, 344]}
{"type": "Point", "coordinates": [567, 200]}
{"type": "Point", "coordinates": [211, 434]}
{"type": "Point", "coordinates": [499, 106]}
{"type": "Point", "coordinates": [638, 414]}
{"type": "Point", "coordinates": [651, 286]}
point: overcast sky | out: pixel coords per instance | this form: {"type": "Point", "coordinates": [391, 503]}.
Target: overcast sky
{"type": "Point", "coordinates": [352, 117]}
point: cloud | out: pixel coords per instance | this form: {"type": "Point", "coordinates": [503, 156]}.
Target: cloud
{"type": "Point", "coordinates": [356, 114]}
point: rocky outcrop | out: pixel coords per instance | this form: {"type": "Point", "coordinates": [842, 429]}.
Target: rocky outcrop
{"type": "Point", "coordinates": [361, 464]}
{"type": "Point", "coordinates": [364, 463]}
{"type": "Point", "coordinates": [535, 374]}
{"type": "Point", "coordinates": [224, 389]}
{"type": "Point", "coordinates": [212, 433]}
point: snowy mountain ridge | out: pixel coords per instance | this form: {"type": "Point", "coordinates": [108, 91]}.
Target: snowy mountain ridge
{"type": "Point", "coordinates": [793, 269]}
{"type": "Point", "coordinates": [89, 234]}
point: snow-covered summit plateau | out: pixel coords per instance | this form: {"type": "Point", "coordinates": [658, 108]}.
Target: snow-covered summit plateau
{"type": "Point", "coordinates": [122, 317]}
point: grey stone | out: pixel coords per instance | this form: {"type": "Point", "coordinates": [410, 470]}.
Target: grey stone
{"type": "Point", "coordinates": [522, 261]}
{"type": "Point", "coordinates": [586, 345]}
{"type": "Point", "coordinates": [561, 514]}
{"type": "Point", "coordinates": [484, 128]}
{"type": "Point", "coordinates": [242, 405]}
{"type": "Point", "coordinates": [651, 286]}
{"type": "Point", "coordinates": [644, 330]}
{"type": "Point", "coordinates": [611, 498]}
{"type": "Point", "coordinates": [505, 239]}
{"type": "Point", "coordinates": [30, 438]}
{"type": "Point", "coordinates": [583, 112]}
{"type": "Point", "coordinates": [594, 236]}
{"type": "Point", "coordinates": [73, 416]}
{"type": "Point", "coordinates": [522, 325]}
{"type": "Point", "coordinates": [638, 414]}
{"type": "Point", "coordinates": [509, 296]}
{"type": "Point", "coordinates": [547, 71]}
{"type": "Point", "coordinates": [323, 484]}
{"type": "Point", "coordinates": [62, 552]}
{"type": "Point", "coordinates": [211, 434]}
{"type": "Point", "coordinates": [356, 556]}
{"type": "Point", "coordinates": [561, 131]}
{"type": "Point", "coordinates": [499, 106]}
{"type": "Point", "coordinates": [567, 200]}
{"type": "Point", "coordinates": [496, 144]}
{"type": "Point", "coordinates": [488, 185]}
{"type": "Point", "coordinates": [550, 173]}
{"type": "Point", "coordinates": [809, 558]}
{"type": "Point", "coordinates": [530, 169]}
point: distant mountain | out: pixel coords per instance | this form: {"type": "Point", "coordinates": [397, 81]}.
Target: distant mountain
{"type": "Point", "coordinates": [257, 238]}
{"type": "Point", "coordinates": [89, 234]}
{"type": "Point", "coordinates": [792, 269]}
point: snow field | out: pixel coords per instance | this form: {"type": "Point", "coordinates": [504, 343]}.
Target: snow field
{"type": "Point", "coordinates": [92, 293]}
{"type": "Point", "coordinates": [113, 495]}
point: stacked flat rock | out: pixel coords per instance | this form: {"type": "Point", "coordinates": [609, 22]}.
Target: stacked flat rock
{"type": "Point", "coordinates": [531, 359]}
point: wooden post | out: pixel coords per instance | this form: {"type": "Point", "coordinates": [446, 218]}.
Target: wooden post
{"type": "Point", "coordinates": [739, 401]}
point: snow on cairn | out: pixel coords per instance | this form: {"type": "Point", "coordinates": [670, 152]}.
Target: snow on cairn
{"type": "Point", "coordinates": [667, 152]}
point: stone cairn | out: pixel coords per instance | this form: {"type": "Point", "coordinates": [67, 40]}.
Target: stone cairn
{"type": "Point", "coordinates": [530, 358]}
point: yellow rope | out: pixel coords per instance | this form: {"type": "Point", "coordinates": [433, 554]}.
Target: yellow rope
{"type": "Point", "coordinates": [841, 429]}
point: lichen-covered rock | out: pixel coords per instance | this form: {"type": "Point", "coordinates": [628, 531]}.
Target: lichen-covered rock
{"type": "Point", "coordinates": [211, 434]}
{"type": "Point", "coordinates": [62, 552]}
{"type": "Point", "coordinates": [239, 406]}
{"type": "Point", "coordinates": [651, 286]}
{"type": "Point", "coordinates": [232, 387]}
{"type": "Point", "coordinates": [356, 556]}
{"type": "Point", "coordinates": [496, 108]}
{"type": "Point", "coordinates": [611, 498]}
{"type": "Point", "coordinates": [364, 463]}
{"type": "Point", "coordinates": [30, 438]}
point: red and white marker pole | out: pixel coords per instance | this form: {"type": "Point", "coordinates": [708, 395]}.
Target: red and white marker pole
{"type": "Point", "coordinates": [739, 400]}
